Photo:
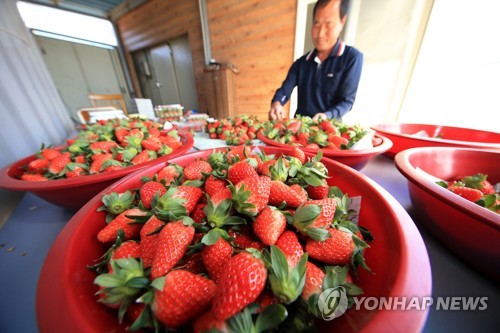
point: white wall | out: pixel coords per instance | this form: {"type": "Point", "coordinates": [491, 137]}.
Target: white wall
{"type": "Point", "coordinates": [31, 111]}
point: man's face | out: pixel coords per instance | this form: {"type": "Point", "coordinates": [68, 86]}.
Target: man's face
{"type": "Point", "coordinates": [327, 26]}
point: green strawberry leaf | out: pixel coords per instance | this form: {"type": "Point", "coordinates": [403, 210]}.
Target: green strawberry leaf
{"type": "Point", "coordinates": [270, 317]}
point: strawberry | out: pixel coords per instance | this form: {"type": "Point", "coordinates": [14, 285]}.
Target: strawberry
{"type": "Point", "coordinates": [143, 157]}
{"type": "Point", "coordinates": [213, 185]}
{"type": "Point", "coordinates": [244, 238]}
{"type": "Point", "coordinates": [328, 127]}
{"type": "Point", "coordinates": [39, 165]}
{"type": "Point", "coordinates": [173, 242]}
{"type": "Point", "coordinates": [170, 141]}
{"type": "Point", "coordinates": [98, 161]}
{"type": "Point", "coordinates": [269, 225]}
{"type": "Point", "coordinates": [239, 171]}
{"type": "Point", "coordinates": [215, 257]}
{"type": "Point", "coordinates": [120, 134]}
{"type": "Point", "coordinates": [76, 172]}
{"type": "Point", "coordinates": [49, 153]}
{"type": "Point", "coordinates": [317, 192]}
{"type": "Point", "coordinates": [479, 181]}
{"type": "Point", "coordinates": [196, 169]}
{"type": "Point", "coordinates": [468, 193]}
{"type": "Point", "coordinates": [241, 281]}
{"type": "Point", "coordinates": [192, 263]}
{"type": "Point", "coordinates": [251, 195]}
{"type": "Point", "coordinates": [300, 191]}
{"type": "Point", "coordinates": [310, 224]}
{"type": "Point", "coordinates": [58, 163]}
{"type": "Point", "coordinates": [149, 190]}
{"type": "Point", "coordinates": [34, 177]}
{"type": "Point", "coordinates": [151, 144]}
{"type": "Point", "coordinates": [102, 146]}
{"type": "Point", "coordinates": [281, 192]}
{"type": "Point", "coordinates": [313, 146]}
{"type": "Point", "coordinates": [181, 296]}
{"type": "Point", "coordinates": [298, 154]}
{"type": "Point", "coordinates": [314, 280]}
{"type": "Point", "coordinates": [124, 222]}
{"type": "Point", "coordinates": [289, 244]}
{"type": "Point", "coordinates": [198, 213]}
{"type": "Point", "coordinates": [336, 250]}
{"type": "Point", "coordinates": [265, 299]}
{"type": "Point", "coordinates": [190, 194]}
{"type": "Point", "coordinates": [127, 249]}
{"type": "Point", "coordinates": [338, 141]}
{"type": "Point", "coordinates": [207, 322]}
{"type": "Point", "coordinates": [238, 152]}
{"type": "Point", "coordinates": [294, 126]}
{"type": "Point", "coordinates": [168, 174]}
{"type": "Point", "coordinates": [149, 239]}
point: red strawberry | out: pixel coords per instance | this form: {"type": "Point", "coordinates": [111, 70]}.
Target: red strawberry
{"type": "Point", "coordinates": [328, 127]}
{"type": "Point", "coordinates": [244, 239]}
{"type": "Point", "coordinates": [207, 322]}
{"type": "Point", "coordinates": [149, 190]}
{"type": "Point", "coordinates": [182, 297]}
{"type": "Point", "coordinates": [294, 126]}
{"type": "Point", "coordinates": [336, 250]}
{"type": "Point", "coordinates": [131, 229]}
{"type": "Point", "coordinates": [170, 141]}
{"type": "Point", "coordinates": [479, 181]}
{"type": "Point", "coordinates": [300, 191]}
{"type": "Point", "coordinates": [317, 192]}
{"type": "Point", "coordinates": [468, 193]}
{"type": "Point", "coordinates": [192, 263]}
{"type": "Point", "coordinates": [264, 168]}
{"type": "Point", "coordinates": [39, 165]}
{"type": "Point", "coordinates": [189, 193]}
{"type": "Point", "coordinates": [240, 152]}
{"type": "Point", "coordinates": [239, 171]}
{"type": "Point", "coordinates": [216, 256]}
{"type": "Point", "coordinates": [49, 153]}
{"type": "Point", "coordinates": [241, 281]}
{"type": "Point", "coordinates": [143, 157]}
{"type": "Point", "coordinates": [289, 244]}
{"type": "Point", "coordinates": [323, 220]}
{"type": "Point", "coordinates": [314, 280]}
{"type": "Point", "coordinates": [195, 169]}
{"type": "Point", "coordinates": [97, 162]}
{"type": "Point", "coordinates": [120, 134]}
{"type": "Point", "coordinates": [338, 141]}
{"type": "Point", "coordinates": [213, 185]}
{"type": "Point", "coordinates": [151, 144]}
{"type": "Point", "coordinates": [313, 146]}
{"type": "Point", "coordinates": [103, 146]}
{"type": "Point", "coordinates": [251, 195]}
{"type": "Point", "coordinates": [198, 213]}
{"type": "Point", "coordinates": [75, 172]}
{"type": "Point", "coordinates": [168, 173]}
{"type": "Point", "coordinates": [173, 241]}
{"type": "Point", "coordinates": [149, 240]}
{"type": "Point", "coordinates": [265, 299]}
{"type": "Point", "coordinates": [34, 177]}
{"type": "Point", "coordinates": [269, 225]}
{"type": "Point", "coordinates": [281, 192]}
{"type": "Point", "coordinates": [128, 249]}
{"type": "Point", "coordinates": [58, 163]}
{"type": "Point", "coordinates": [298, 154]}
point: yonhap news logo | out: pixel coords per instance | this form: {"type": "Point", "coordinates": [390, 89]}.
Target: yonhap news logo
{"type": "Point", "coordinates": [334, 302]}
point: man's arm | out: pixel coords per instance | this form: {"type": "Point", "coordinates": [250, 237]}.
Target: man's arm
{"type": "Point", "coordinates": [348, 89]}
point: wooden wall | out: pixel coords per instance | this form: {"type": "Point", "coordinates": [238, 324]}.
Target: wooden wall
{"type": "Point", "coordinates": [257, 36]}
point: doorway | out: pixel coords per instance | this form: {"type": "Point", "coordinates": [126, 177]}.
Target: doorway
{"type": "Point", "coordinates": [166, 75]}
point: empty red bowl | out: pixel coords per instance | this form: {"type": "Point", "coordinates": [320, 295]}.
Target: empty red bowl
{"type": "Point", "coordinates": [73, 193]}
{"type": "Point", "coordinates": [404, 136]}
{"type": "Point", "coordinates": [356, 159]}
{"type": "Point", "coordinates": [66, 298]}
{"type": "Point", "coordinates": [469, 230]}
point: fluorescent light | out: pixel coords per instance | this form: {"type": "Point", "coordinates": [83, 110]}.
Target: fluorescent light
{"type": "Point", "coordinates": [65, 23]}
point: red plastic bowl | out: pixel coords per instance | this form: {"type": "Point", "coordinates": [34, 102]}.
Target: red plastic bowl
{"type": "Point", "coordinates": [73, 193]}
{"type": "Point", "coordinates": [469, 230]}
{"type": "Point", "coordinates": [397, 257]}
{"type": "Point", "coordinates": [403, 137]}
{"type": "Point", "coordinates": [356, 159]}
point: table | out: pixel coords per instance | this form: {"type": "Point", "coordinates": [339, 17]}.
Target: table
{"type": "Point", "coordinates": [34, 225]}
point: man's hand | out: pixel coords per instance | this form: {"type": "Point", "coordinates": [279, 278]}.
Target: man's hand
{"type": "Point", "coordinates": [277, 111]}
{"type": "Point", "coordinates": [319, 116]}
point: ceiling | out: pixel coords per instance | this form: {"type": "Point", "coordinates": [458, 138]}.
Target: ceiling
{"type": "Point", "coordinates": [110, 9]}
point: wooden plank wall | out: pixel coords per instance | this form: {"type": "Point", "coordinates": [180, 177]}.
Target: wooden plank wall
{"type": "Point", "coordinates": [255, 35]}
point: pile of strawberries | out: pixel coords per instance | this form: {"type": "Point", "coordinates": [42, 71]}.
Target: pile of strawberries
{"type": "Point", "coordinates": [240, 130]}
{"type": "Point", "coordinates": [104, 146]}
{"type": "Point", "coordinates": [475, 188]}
{"type": "Point", "coordinates": [236, 239]}
{"type": "Point", "coordinates": [304, 132]}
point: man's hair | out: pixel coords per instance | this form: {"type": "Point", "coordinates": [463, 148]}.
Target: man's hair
{"type": "Point", "coordinates": [344, 7]}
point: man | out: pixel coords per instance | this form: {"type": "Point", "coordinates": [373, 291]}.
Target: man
{"type": "Point", "coordinates": [327, 77]}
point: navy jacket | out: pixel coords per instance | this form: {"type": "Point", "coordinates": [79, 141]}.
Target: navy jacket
{"type": "Point", "coordinates": [329, 87]}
